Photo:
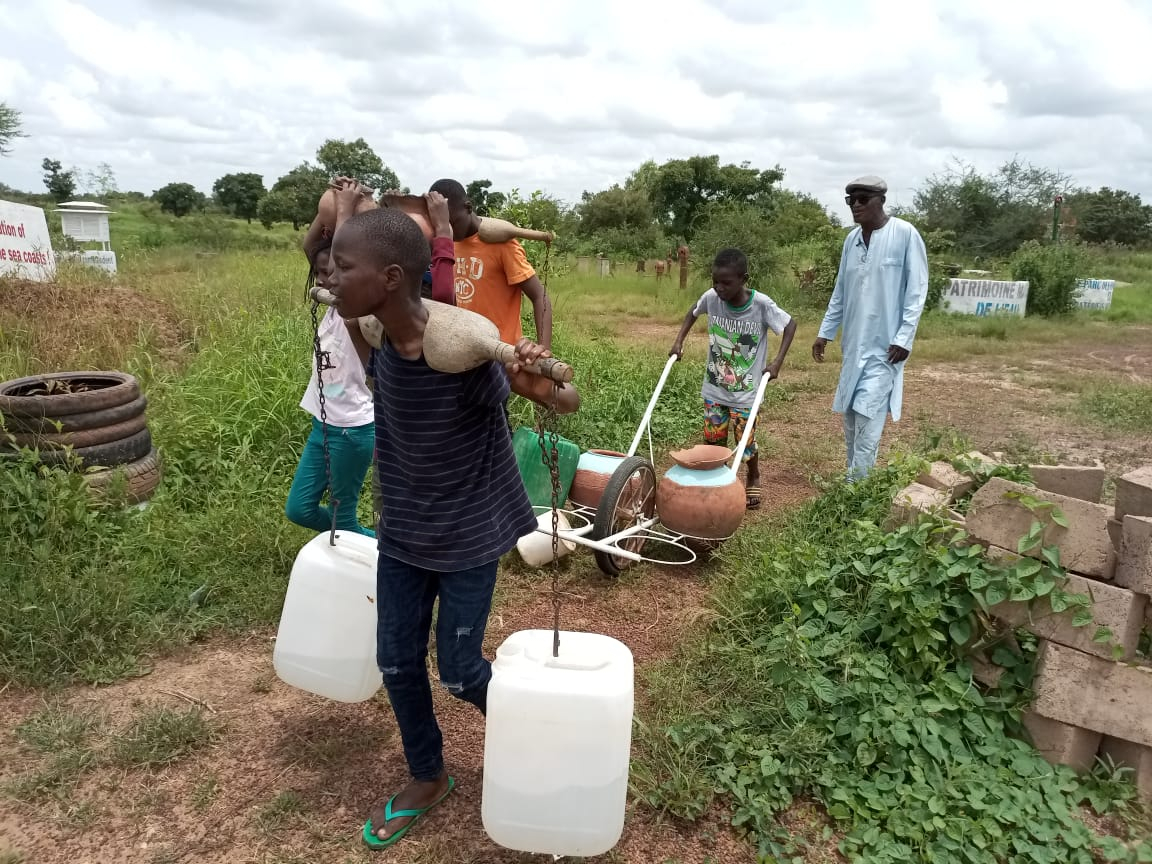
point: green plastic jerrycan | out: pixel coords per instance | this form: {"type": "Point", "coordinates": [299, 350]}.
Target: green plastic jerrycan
{"type": "Point", "coordinates": [534, 470]}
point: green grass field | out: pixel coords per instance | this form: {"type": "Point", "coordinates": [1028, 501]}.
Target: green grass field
{"type": "Point", "coordinates": [762, 705]}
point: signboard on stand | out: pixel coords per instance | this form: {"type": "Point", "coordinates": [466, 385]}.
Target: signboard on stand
{"type": "Point", "coordinates": [1094, 293]}
{"type": "Point", "coordinates": [25, 247]}
{"type": "Point", "coordinates": [984, 297]}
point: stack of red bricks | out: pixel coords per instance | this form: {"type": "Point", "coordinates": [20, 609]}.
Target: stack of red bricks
{"type": "Point", "coordinates": [1091, 697]}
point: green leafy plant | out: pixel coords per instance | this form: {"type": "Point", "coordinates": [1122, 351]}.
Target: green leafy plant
{"type": "Point", "coordinates": [1051, 273]}
{"type": "Point", "coordinates": [840, 668]}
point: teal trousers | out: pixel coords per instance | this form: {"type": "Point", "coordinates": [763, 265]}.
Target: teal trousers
{"type": "Point", "coordinates": [350, 450]}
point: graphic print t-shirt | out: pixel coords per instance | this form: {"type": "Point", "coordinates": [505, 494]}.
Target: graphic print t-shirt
{"type": "Point", "coordinates": [486, 274]}
{"type": "Point", "coordinates": [737, 342]}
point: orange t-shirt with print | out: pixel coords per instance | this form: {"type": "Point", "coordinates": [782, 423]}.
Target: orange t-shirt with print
{"type": "Point", "coordinates": [486, 278]}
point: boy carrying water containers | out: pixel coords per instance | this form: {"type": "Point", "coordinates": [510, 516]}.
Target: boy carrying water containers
{"type": "Point", "coordinates": [739, 319]}
{"type": "Point", "coordinates": [454, 502]}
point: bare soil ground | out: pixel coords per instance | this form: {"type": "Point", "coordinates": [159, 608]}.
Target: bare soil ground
{"type": "Point", "coordinates": [290, 777]}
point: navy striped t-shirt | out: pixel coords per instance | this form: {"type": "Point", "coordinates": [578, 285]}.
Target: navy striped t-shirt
{"type": "Point", "coordinates": [452, 495]}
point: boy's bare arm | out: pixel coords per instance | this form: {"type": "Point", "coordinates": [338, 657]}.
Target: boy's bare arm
{"type": "Point", "coordinates": [785, 343]}
{"type": "Point", "coordinates": [541, 309]}
{"type": "Point", "coordinates": [678, 345]}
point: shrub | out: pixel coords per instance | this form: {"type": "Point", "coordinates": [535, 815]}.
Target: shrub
{"type": "Point", "coordinates": [1051, 273]}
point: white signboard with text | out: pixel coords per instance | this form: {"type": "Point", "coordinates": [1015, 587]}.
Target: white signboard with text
{"type": "Point", "coordinates": [983, 297]}
{"type": "Point", "coordinates": [103, 260]}
{"type": "Point", "coordinates": [1094, 293]}
{"type": "Point", "coordinates": [25, 248]}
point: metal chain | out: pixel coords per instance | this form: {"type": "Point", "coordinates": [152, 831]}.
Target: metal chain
{"type": "Point", "coordinates": [549, 441]}
{"type": "Point", "coordinates": [323, 362]}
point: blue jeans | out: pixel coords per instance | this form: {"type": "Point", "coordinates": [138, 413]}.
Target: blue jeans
{"type": "Point", "coordinates": [404, 599]}
{"type": "Point", "coordinates": [350, 450]}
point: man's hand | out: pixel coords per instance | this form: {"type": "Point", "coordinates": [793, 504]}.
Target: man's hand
{"type": "Point", "coordinates": [438, 214]}
{"type": "Point", "coordinates": [772, 370]}
{"type": "Point", "coordinates": [677, 350]}
{"type": "Point", "coordinates": [818, 349]}
{"type": "Point", "coordinates": [896, 354]}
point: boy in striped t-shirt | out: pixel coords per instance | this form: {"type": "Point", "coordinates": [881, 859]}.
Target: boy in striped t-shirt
{"type": "Point", "coordinates": [453, 500]}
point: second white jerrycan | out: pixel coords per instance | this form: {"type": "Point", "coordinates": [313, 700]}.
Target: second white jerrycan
{"type": "Point", "coordinates": [326, 642]}
{"type": "Point", "coordinates": [557, 741]}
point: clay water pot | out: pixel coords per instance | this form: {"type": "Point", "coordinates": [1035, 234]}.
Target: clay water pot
{"type": "Point", "coordinates": [700, 496]}
{"type": "Point", "coordinates": [593, 471]}
{"type": "Point", "coordinates": [415, 206]}
{"type": "Point", "coordinates": [327, 209]}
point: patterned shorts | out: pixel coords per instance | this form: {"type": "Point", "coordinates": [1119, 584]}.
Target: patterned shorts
{"type": "Point", "coordinates": [718, 419]}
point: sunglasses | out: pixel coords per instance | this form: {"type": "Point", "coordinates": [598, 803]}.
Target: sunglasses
{"type": "Point", "coordinates": [859, 198]}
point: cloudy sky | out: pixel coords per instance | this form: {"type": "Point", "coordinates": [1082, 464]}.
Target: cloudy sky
{"type": "Point", "coordinates": [568, 95]}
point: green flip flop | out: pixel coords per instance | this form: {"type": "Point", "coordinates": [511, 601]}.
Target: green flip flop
{"type": "Point", "coordinates": [369, 834]}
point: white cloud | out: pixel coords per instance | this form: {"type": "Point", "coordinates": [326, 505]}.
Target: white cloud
{"type": "Point", "coordinates": [573, 94]}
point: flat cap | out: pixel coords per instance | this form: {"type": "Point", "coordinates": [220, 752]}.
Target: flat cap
{"type": "Point", "coordinates": [868, 183]}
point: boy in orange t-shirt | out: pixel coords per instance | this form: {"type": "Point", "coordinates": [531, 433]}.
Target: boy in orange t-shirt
{"type": "Point", "coordinates": [491, 278]}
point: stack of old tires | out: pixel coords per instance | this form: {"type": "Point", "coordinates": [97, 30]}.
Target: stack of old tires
{"type": "Point", "coordinates": [100, 415]}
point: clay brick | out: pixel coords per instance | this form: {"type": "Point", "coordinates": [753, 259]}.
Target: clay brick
{"type": "Point", "coordinates": [941, 475]}
{"type": "Point", "coordinates": [980, 458]}
{"type": "Point", "coordinates": [1075, 481]}
{"type": "Point", "coordinates": [1084, 545]}
{"type": "Point", "coordinates": [1001, 556]}
{"type": "Point", "coordinates": [985, 671]}
{"type": "Point", "coordinates": [1116, 534]}
{"type": "Point", "coordinates": [1081, 690]}
{"type": "Point", "coordinates": [1134, 567]}
{"type": "Point", "coordinates": [1134, 756]}
{"type": "Point", "coordinates": [1061, 743]}
{"type": "Point", "coordinates": [1119, 610]}
{"type": "Point", "coordinates": [913, 500]}
{"type": "Point", "coordinates": [1134, 493]}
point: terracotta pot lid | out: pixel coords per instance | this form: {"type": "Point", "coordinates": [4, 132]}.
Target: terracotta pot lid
{"type": "Point", "coordinates": [701, 457]}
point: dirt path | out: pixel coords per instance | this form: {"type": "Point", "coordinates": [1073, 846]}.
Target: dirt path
{"type": "Point", "coordinates": [291, 777]}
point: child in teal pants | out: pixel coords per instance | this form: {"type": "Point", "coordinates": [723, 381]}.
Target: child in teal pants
{"type": "Point", "coordinates": [351, 431]}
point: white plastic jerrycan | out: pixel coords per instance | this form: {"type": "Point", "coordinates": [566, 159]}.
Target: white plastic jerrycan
{"type": "Point", "coordinates": [326, 643]}
{"type": "Point", "coordinates": [557, 741]}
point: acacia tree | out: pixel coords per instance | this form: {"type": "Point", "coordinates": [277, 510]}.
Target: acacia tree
{"type": "Point", "coordinates": [990, 213]}
{"type": "Point", "coordinates": [10, 127]}
{"type": "Point", "coordinates": [101, 181]}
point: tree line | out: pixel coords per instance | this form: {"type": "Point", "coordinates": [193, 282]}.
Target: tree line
{"type": "Point", "coordinates": [658, 206]}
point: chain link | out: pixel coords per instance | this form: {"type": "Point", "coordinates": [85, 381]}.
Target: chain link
{"type": "Point", "coordinates": [324, 362]}
{"type": "Point", "coordinates": [549, 440]}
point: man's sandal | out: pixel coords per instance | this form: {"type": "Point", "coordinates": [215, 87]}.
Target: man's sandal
{"type": "Point", "coordinates": [752, 498]}
{"type": "Point", "coordinates": [369, 834]}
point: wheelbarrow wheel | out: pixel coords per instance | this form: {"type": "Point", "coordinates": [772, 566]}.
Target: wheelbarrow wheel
{"type": "Point", "coordinates": [629, 497]}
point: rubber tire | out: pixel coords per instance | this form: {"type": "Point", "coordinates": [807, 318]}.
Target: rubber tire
{"type": "Point", "coordinates": [141, 477]}
{"type": "Point", "coordinates": [108, 455]}
{"type": "Point", "coordinates": [115, 389]}
{"type": "Point", "coordinates": [82, 438]}
{"type": "Point", "coordinates": [604, 523]}
{"type": "Point", "coordinates": [78, 422]}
